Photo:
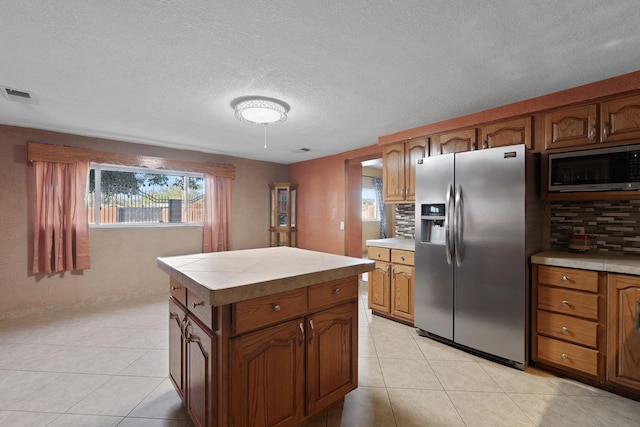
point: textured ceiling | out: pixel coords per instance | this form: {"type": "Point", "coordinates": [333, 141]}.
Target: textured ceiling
{"type": "Point", "coordinates": [165, 72]}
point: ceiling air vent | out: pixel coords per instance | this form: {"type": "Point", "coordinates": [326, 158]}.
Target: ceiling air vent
{"type": "Point", "coordinates": [17, 95]}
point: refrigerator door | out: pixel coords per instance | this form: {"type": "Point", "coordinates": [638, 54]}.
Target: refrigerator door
{"type": "Point", "coordinates": [490, 281]}
{"type": "Point", "coordinates": [434, 268]}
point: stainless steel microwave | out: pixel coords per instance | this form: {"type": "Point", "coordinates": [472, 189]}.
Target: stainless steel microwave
{"type": "Point", "coordinates": [600, 169]}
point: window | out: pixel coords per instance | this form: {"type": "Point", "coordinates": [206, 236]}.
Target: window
{"type": "Point", "coordinates": [120, 195]}
{"type": "Point", "coordinates": [369, 202]}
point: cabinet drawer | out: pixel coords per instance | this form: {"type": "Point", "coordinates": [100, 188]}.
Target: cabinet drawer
{"type": "Point", "coordinates": [568, 302]}
{"type": "Point", "coordinates": [402, 257]}
{"type": "Point", "coordinates": [379, 254]}
{"type": "Point", "coordinates": [200, 309]}
{"type": "Point", "coordinates": [568, 328]}
{"type": "Point", "coordinates": [568, 355]}
{"type": "Point", "coordinates": [333, 292]}
{"type": "Point", "coordinates": [584, 280]}
{"type": "Point", "coordinates": [178, 291]}
{"type": "Point", "coordinates": [258, 312]}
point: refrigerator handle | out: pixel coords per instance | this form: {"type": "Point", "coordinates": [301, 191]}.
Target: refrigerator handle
{"type": "Point", "coordinates": [448, 223]}
{"type": "Point", "coordinates": [458, 225]}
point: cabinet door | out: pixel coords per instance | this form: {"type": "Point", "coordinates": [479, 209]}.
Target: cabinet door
{"type": "Point", "coordinates": [414, 150]}
{"type": "Point", "coordinates": [454, 142]}
{"type": "Point", "coordinates": [621, 119]}
{"type": "Point", "coordinates": [393, 184]}
{"type": "Point", "coordinates": [624, 330]}
{"type": "Point", "coordinates": [177, 317]}
{"type": "Point", "coordinates": [402, 292]}
{"type": "Point", "coordinates": [266, 384]}
{"type": "Point", "coordinates": [200, 374]}
{"type": "Point", "coordinates": [571, 127]}
{"type": "Point", "coordinates": [332, 355]}
{"type": "Point", "coordinates": [511, 132]}
{"type": "Point", "coordinates": [380, 288]}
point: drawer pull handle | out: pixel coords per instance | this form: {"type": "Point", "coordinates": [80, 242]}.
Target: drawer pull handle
{"type": "Point", "coordinates": [565, 302]}
{"type": "Point", "coordinates": [565, 329]}
{"type": "Point", "coordinates": [276, 307]}
{"type": "Point", "coordinates": [336, 291]}
{"type": "Point", "coordinates": [565, 278]}
{"type": "Point", "coordinates": [195, 304]}
{"type": "Point", "coordinates": [175, 288]}
{"type": "Point", "coordinates": [565, 356]}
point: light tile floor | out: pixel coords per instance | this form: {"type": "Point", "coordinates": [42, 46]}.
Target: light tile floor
{"type": "Point", "coordinates": [107, 366]}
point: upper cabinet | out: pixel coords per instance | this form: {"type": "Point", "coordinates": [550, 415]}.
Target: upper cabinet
{"type": "Point", "coordinates": [570, 127]}
{"type": "Point", "coordinates": [614, 120]}
{"type": "Point", "coordinates": [399, 169]}
{"type": "Point", "coordinates": [621, 119]}
{"type": "Point", "coordinates": [454, 142]}
{"type": "Point", "coordinates": [507, 132]}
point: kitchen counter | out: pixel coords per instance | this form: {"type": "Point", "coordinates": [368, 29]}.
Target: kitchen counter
{"type": "Point", "coordinates": [393, 243]}
{"type": "Point", "coordinates": [221, 278]}
{"type": "Point", "coordinates": [625, 264]}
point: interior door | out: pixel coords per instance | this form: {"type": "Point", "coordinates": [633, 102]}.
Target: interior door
{"type": "Point", "coordinates": [490, 282]}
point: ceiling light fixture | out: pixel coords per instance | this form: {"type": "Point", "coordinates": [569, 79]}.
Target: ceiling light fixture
{"type": "Point", "coordinates": [260, 110]}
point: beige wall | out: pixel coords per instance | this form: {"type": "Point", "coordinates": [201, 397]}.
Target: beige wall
{"type": "Point", "coordinates": [123, 260]}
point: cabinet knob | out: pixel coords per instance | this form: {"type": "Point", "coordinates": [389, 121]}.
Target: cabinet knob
{"type": "Point", "coordinates": [175, 288]}
{"type": "Point", "coordinates": [336, 291]}
{"type": "Point", "coordinates": [195, 304]}
{"type": "Point", "coordinates": [565, 303]}
{"type": "Point", "coordinates": [565, 329]}
{"type": "Point", "coordinates": [402, 257]}
{"type": "Point", "coordinates": [565, 356]}
{"type": "Point", "coordinates": [276, 307]}
{"type": "Point", "coordinates": [378, 255]}
{"type": "Point", "coordinates": [565, 278]}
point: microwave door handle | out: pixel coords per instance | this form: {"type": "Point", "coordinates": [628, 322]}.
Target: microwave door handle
{"type": "Point", "coordinates": [448, 224]}
{"type": "Point", "coordinates": [458, 225]}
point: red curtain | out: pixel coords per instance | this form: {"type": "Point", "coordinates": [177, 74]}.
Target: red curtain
{"type": "Point", "coordinates": [217, 214]}
{"type": "Point", "coordinates": [61, 228]}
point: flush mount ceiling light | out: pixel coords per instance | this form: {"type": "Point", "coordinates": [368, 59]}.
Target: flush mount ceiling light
{"type": "Point", "coordinates": [260, 110]}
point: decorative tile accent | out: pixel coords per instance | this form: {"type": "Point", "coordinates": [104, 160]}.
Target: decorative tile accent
{"type": "Point", "coordinates": [405, 221]}
{"type": "Point", "coordinates": [614, 225]}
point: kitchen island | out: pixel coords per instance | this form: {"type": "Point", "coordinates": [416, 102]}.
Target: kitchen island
{"type": "Point", "coordinates": [262, 337]}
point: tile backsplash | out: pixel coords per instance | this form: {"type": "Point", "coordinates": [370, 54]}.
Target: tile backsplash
{"type": "Point", "coordinates": [614, 225]}
{"type": "Point", "coordinates": [405, 221]}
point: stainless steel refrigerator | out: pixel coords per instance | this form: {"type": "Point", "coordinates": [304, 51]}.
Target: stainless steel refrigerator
{"type": "Point", "coordinates": [478, 220]}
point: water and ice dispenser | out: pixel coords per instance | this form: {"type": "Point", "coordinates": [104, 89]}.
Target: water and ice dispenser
{"type": "Point", "coordinates": [433, 223]}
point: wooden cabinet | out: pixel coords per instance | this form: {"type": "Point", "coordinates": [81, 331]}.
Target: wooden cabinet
{"type": "Point", "coordinates": [200, 374]}
{"type": "Point", "coordinates": [398, 173]}
{"type": "Point", "coordinates": [620, 119]}
{"type": "Point", "coordinates": [614, 120]}
{"type": "Point", "coordinates": [569, 320]}
{"type": "Point", "coordinates": [391, 284]}
{"type": "Point", "coordinates": [624, 331]}
{"type": "Point", "coordinates": [569, 127]}
{"type": "Point", "coordinates": [267, 376]}
{"type": "Point", "coordinates": [282, 228]}
{"type": "Point", "coordinates": [454, 142]}
{"type": "Point", "coordinates": [269, 361]}
{"type": "Point", "coordinates": [507, 132]}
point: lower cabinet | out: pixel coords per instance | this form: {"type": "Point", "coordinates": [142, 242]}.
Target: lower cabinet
{"type": "Point", "coordinates": [269, 361]}
{"type": "Point", "coordinates": [586, 325]}
{"type": "Point", "coordinates": [624, 331]}
{"type": "Point", "coordinates": [391, 284]}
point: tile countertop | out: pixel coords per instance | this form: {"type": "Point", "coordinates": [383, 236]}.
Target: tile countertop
{"type": "Point", "coordinates": [625, 264]}
{"type": "Point", "coordinates": [226, 277]}
{"type": "Point", "coordinates": [393, 243]}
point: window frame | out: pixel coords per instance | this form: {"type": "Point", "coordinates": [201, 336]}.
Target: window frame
{"type": "Point", "coordinates": [99, 167]}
